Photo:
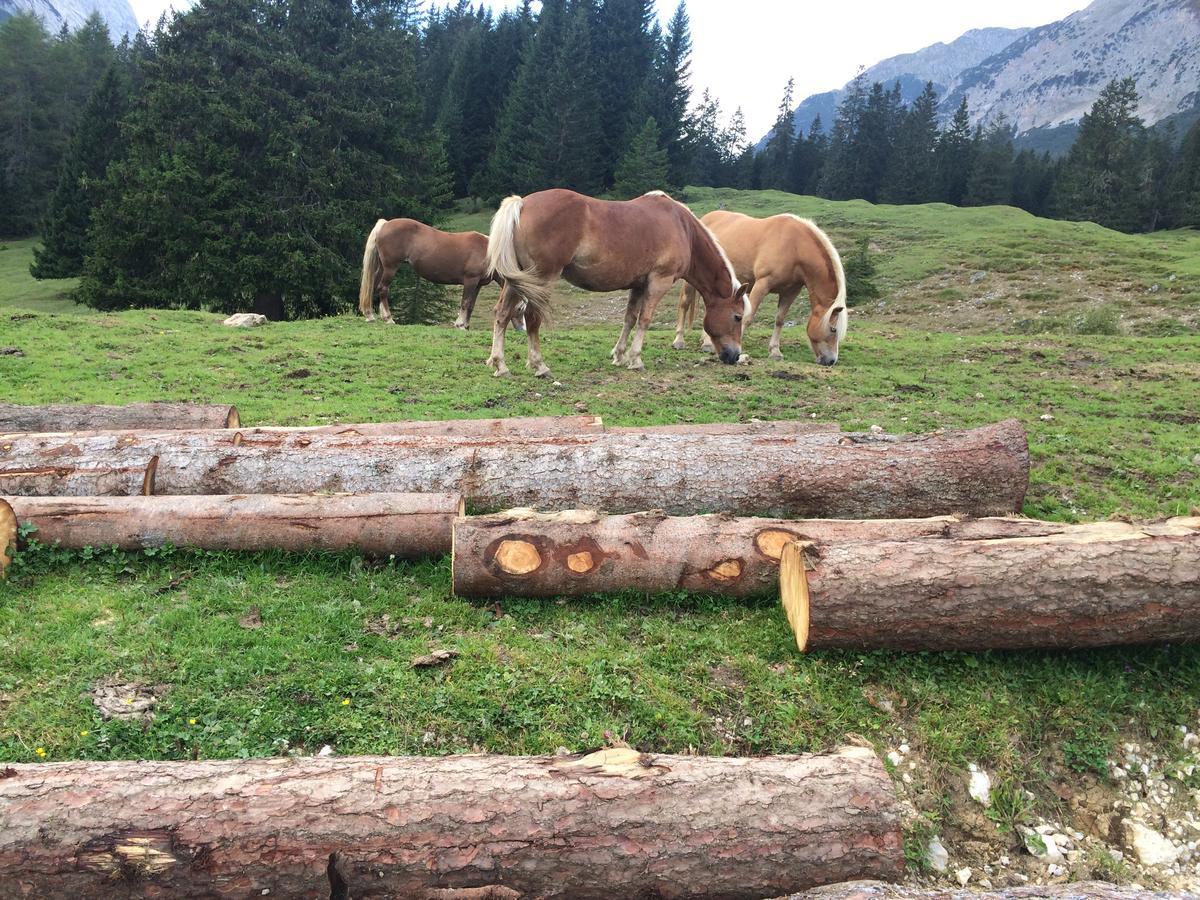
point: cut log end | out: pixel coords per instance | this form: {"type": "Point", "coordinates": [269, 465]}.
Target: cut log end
{"type": "Point", "coordinates": [148, 478]}
{"type": "Point", "coordinates": [234, 419]}
{"type": "Point", "coordinates": [8, 535]}
{"type": "Point", "coordinates": [517, 557]}
{"type": "Point", "coordinates": [793, 590]}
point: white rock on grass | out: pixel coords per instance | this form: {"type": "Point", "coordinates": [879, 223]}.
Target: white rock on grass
{"type": "Point", "coordinates": [1152, 848]}
{"type": "Point", "coordinates": [937, 856]}
{"type": "Point", "coordinates": [1042, 846]}
{"type": "Point", "coordinates": [980, 786]}
{"type": "Point", "coordinates": [245, 320]}
{"type": "Point", "coordinates": [962, 876]}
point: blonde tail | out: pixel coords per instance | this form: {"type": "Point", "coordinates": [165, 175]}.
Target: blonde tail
{"type": "Point", "coordinates": [503, 263]}
{"type": "Point", "coordinates": [689, 298]}
{"type": "Point", "coordinates": [372, 269]}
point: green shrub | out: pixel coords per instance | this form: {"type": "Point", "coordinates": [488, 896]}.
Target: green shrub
{"type": "Point", "coordinates": [1098, 320]}
{"type": "Point", "coordinates": [860, 274]}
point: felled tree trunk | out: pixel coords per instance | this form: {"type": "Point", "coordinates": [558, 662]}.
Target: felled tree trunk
{"type": "Point", "coordinates": [8, 535]}
{"type": "Point", "coordinates": [780, 428]}
{"type": "Point", "coordinates": [521, 553]}
{"type": "Point", "coordinates": [612, 824]}
{"type": "Point", "coordinates": [408, 526]}
{"type": "Point", "coordinates": [519, 427]}
{"type": "Point", "coordinates": [135, 416]}
{"type": "Point", "coordinates": [979, 472]}
{"type": "Point", "coordinates": [1085, 586]}
{"type": "Point", "coordinates": [877, 890]}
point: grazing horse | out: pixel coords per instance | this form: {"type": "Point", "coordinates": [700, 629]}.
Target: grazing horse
{"type": "Point", "coordinates": [781, 255]}
{"type": "Point", "coordinates": [438, 256]}
{"type": "Point", "coordinates": [643, 246]}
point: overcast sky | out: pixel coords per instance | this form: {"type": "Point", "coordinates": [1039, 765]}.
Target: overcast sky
{"type": "Point", "coordinates": [745, 50]}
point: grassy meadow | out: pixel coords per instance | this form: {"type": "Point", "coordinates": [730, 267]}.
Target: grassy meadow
{"type": "Point", "coordinates": [1090, 338]}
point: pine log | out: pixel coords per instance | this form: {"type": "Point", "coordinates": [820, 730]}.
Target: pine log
{"type": "Point", "coordinates": [781, 428]}
{"type": "Point", "coordinates": [521, 426]}
{"type": "Point", "coordinates": [522, 553]}
{"type": "Point", "coordinates": [1096, 585]}
{"type": "Point", "coordinates": [8, 535]}
{"type": "Point", "coordinates": [979, 472]}
{"type": "Point", "coordinates": [407, 526]}
{"type": "Point", "coordinates": [1080, 890]}
{"type": "Point", "coordinates": [615, 823]}
{"type": "Point", "coordinates": [135, 416]}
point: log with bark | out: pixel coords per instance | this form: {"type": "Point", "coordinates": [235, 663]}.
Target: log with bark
{"type": "Point", "coordinates": [1074, 586]}
{"type": "Point", "coordinates": [614, 823]}
{"type": "Point", "coordinates": [8, 535]}
{"type": "Point", "coordinates": [79, 417]}
{"type": "Point", "coordinates": [407, 526]}
{"type": "Point", "coordinates": [520, 427]}
{"type": "Point", "coordinates": [979, 472]}
{"type": "Point", "coordinates": [1079, 890]}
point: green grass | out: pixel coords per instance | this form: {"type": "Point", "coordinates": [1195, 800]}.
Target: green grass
{"type": "Point", "coordinates": [18, 290]}
{"type": "Point", "coordinates": [667, 674]}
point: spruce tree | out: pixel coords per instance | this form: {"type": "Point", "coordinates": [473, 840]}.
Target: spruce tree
{"type": "Point", "coordinates": [95, 143]}
{"type": "Point", "coordinates": [644, 166]}
{"type": "Point", "coordinates": [840, 177]}
{"type": "Point", "coordinates": [671, 94]}
{"type": "Point", "coordinates": [991, 179]}
{"type": "Point", "coordinates": [623, 39]}
{"type": "Point", "coordinates": [912, 172]}
{"type": "Point", "coordinates": [955, 157]}
{"type": "Point", "coordinates": [1033, 182]}
{"type": "Point", "coordinates": [1185, 183]}
{"type": "Point", "coordinates": [777, 154]}
{"type": "Point", "coordinates": [704, 140]}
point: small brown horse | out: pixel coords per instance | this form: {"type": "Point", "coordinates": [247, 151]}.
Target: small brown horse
{"type": "Point", "coordinates": [781, 255]}
{"type": "Point", "coordinates": [643, 246]}
{"type": "Point", "coordinates": [438, 256]}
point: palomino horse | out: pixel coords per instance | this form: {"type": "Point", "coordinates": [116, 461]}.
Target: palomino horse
{"type": "Point", "coordinates": [781, 255]}
{"type": "Point", "coordinates": [438, 256]}
{"type": "Point", "coordinates": [643, 246]}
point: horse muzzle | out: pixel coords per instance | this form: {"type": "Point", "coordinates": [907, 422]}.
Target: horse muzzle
{"type": "Point", "coordinates": [730, 356]}
{"type": "Point", "coordinates": [827, 361]}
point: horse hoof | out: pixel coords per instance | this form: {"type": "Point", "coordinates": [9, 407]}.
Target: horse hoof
{"type": "Point", "coordinates": [678, 344]}
{"type": "Point", "coordinates": [501, 373]}
{"type": "Point", "coordinates": [637, 365]}
{"type": "Point", "coordinates": [462, 325]}
{"type": "Point", "coordinates": [542, 372]}
{"type": "Point", "coordinates": [777, 356]}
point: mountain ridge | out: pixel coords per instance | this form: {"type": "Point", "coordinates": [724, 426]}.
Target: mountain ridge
{"type": "Point", "coordinates": [118, 14]}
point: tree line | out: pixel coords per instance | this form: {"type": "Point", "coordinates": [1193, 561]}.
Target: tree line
{"type": "Point", "coordinates": [237, 155]}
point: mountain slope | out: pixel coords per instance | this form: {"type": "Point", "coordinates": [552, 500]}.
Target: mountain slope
{"type": "Point", "coordinates": [53, 13]}
{"type": "Point", "coordinates": [1052, 75]}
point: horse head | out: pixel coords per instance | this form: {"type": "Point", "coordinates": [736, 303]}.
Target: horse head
{"type": "Point", "coordinates": [826, 328]}
{"type": "Point", "coordinates": [724, 311]}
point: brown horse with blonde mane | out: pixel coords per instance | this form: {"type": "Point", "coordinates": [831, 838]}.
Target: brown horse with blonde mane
{"type": "Point", "coordinates": [439, 256]}
{"type": "Point", "coordinates": [781, 255]}
{"type": "Point", "coordinates": [643, 246]}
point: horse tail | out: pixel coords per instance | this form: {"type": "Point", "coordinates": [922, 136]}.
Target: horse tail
{"type": "Point", "coordinates": [689, 296]}
{"type": "Point", "coordinates": [372, 271]}
{"type": "Point", "coordinates": [503, 264]}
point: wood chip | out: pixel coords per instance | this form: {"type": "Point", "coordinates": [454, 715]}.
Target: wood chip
{"type": "Point", "coordinates": [436, 658]}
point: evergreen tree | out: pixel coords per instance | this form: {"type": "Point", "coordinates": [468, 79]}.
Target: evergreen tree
{"type": "Point", "coordinates": [644, 166]}
{"type": "Point", "coordinates": [1103, 178]}
{"type": "Point", "coordinates": [704, 139]}
{"type": "Point", "coordinates": [1033, 182]}
{"type": "Point", "coordinates": [839, 176]}
{"type": "Point", "coordinates": [991, 179]}
{"type": "Point", "coordinates": [912, 173]}
{"type": "Point", "coordinates": [777, 154]}
{"type": "Point", "coordinates": [737, 154]}
{"type": "Point", "coordinates": [672, 94]}
{"type": "Point", "coordinates": [955, 157]}
{"type": "Point", "coordinates": [624, 39]}
{"type": "Point", "coordinates": [269, 136]}
{"type": "Point", "coordinates": [95, 143]}
{"type": "Point", "coordinates": [1185, 183]}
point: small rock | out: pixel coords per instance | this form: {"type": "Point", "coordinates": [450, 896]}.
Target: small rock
{"type": "Point", "coordinates": [980, 786]}
{"type": "Point", "coordinates": [1196, 460]}
{"type": "Point", "coordinates": [428, 738]}
{"type": "Point", "coordinates": [325, 751]}
{"type": "Point", "coordinates": [1152, 848]}
{"type": "Point", "coordinates": [979, 396]}
{"type": "Point", "coordinates": [436, 658]}
{"type": "Point", "coordinates": [963, 875]}
{"type": "Point", "coordinates": [11, 351]}
{"type": "Point", "coordinates": [1041, 846]}
{"type": "Point", "coordinates": [245, 320]}
{"type": "Point", "coordinates": [1046, 417]}
{"type": "Point", "coordinates": [978, 277]}
{"type": "Point", "coordinates": [937, 856]}
{"type": "Point", "coordinates": [895, 758]}
{"type": "Point", "coordinates": [875, 429]}
{"type": "Point", "coordinates": [556, 384]}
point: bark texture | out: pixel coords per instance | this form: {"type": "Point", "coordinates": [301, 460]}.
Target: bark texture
{"type": "Point", "coordinates": [1082, 890]}
{"type": "Point", "coordinates": [157, 416]}
{"type": "Point", "coordinates": [521, 553]}
{"type": "Point", "coordinates": [1095, 585]}
{"type": "Point", "coordinates": [979, 472]}
{"type": "Point", "coordinates": [783, 428]}
{"type": "Point", "coordinates": [612, 824]}
{"type": "Point", "coordinates": [408, 526]}
{"type": "Point", "coordinates": [8, 535]}
{"type": "Point", "coordinates": [520, 427]}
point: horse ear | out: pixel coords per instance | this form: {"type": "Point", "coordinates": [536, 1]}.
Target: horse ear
{"type": "Point", "coordinates": [836, 311]}
{"type": "Point", "coordinates": [742, 291]}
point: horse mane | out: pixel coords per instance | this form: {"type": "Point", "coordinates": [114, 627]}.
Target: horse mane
{"type": "Point", "coordinates": [733, 279]}
{"type": "Point", "coordinates": [833, 260]}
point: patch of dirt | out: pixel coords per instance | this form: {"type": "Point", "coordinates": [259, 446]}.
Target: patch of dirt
{"type": "Point", "coordinates": [434, 658]}
{"type": "Point", "coordinates": [11, 351]}
{"type": "Point", "coordinates": [252, 620]}
{"type": "Point", "coordinates": [299, 373]}
{"type": "Point", "coordinates": [126, 701]}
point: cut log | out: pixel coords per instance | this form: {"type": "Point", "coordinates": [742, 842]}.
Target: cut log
{"type": "Point", "coordinates": [781, 428]}
{"type": "Point", "coordinates": [522, 553]}
{"type": "Point", "coordinates": [407, 526]}
{"type": "Point", "coordinates": [521, 427]}
{"type": "Point", "coordinates": [1079, 890]}
{"type": "Point", "coordinates": [8, 535]}
{"type": "Point", "coordinates": [79, 417]}
{"type": "Point", "coordinates": [978, 472]}
{"type": "Point", "coordinates": [615, 823]}
{"type": "Point", "coordinates": [1097, 585]}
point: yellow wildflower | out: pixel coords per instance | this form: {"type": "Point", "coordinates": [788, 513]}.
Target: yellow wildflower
{"type": "Point", "coordinates": [83, 733]}
{"type": "Point", "coordinates": [346, 702]}
{"type": "Point", "coordinates": [191, 721]}
{"type": "Point", "coordinates": [40, 752]}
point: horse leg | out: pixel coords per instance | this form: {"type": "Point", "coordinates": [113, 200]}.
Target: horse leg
{"type": "Point", "coordinates": [655, 289]}
{"type": "Point", "coordinates": [533, 326]}
{"type": "Point", "coordinates": [687, 306]}
{"type": "Point", "coordinates": [504, 311]}
{"type": "Point", "coordinates": [636, 297]}
{"type": "Point", "coordinates": [470, 294]}
{"type": "Point", "coordinates": [786, 298]}
{"type": "Point", "coordinates": [757, 293]}
{"type": "Point", "coordinates": [385, 286]}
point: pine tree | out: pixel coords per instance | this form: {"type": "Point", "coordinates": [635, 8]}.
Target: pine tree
{"type": "Point", "coordinates": [1102, 180]}
{"type": "Point", "coordinates": [623, 38]}
{"type": "Point", "coordinates": [912, 173]}
{"type": "Point", "coordinates": [1185, 182]}
{"type": "Point", "coordinates": [737, 154]}
{"type": "Point", "coordinates": [1033, 182]}
{"type": "Point", "coordinates": [840, 178]}
{"type": "Point", "coordinates": [672, 94]}
{"type": "Point", "coordinates": [955, 157]}
{"type": "Point", "coordinates": [95, 143]}
{"type": "Point", "coordinates": [777, 154]}
{"type": "Point", "coordinates": [268, 137]}
{"type": "Point", "coordinates": [705, 142]}
{"type": "Point", "coordinates": [644, 166]}
{"type": "Point", "coordinates": [991, 179]}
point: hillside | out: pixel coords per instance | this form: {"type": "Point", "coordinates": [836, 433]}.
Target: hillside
{"type": "Point", "coordinates": [117, 13]}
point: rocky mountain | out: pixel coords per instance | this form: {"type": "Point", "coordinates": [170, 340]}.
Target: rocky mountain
{"type": "Point", "coordinates": [1044, 79]}
{"type": "Point", "coordinates": [117, 13]}
{"type": "Point", "coordinates": [1051, 76]}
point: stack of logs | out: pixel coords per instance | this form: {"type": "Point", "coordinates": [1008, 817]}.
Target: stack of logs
{"type": "Point", "coordinates": [873, 541]}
